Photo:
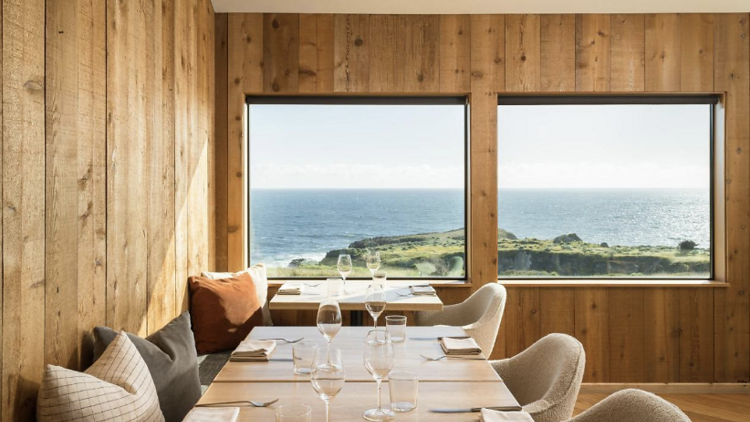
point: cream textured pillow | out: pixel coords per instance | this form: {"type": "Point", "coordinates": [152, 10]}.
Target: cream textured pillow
{"type": "Point", "coordinates": [257, 273]}
{"type": "Point", "coordinates": [118, 386]}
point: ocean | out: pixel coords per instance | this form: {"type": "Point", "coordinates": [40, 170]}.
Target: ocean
{"type": "Point", "coordinates": [292, 224]}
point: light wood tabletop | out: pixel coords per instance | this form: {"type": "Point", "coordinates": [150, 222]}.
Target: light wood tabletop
{"type": "Point", "coordinates": [397, 297]}
{"type": "Point", "coordinates": [355, 398]}
{"type": "Point", "coordinates": [351, 342]}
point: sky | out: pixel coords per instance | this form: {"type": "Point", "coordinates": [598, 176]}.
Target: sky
{"type": "Point", "coordinates": [378, 146]}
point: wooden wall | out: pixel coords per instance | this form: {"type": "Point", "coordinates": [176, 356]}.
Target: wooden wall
{"type": "Point", "coordinates": [107, 117]}
{"type": "Point", "coordinates": [631, 334]}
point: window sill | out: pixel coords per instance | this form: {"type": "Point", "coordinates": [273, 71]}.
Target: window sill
{"type": "Point", "coordinates": [614, 283]}
{"type": "Point", "coordinates": [434, 283]}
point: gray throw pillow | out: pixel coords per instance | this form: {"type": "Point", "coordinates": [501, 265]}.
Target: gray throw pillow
{"type": "Point", "coordinates": [172, 360]}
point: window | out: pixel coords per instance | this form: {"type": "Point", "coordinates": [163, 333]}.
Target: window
{"type": "Point", "coordinates": [344, 175]}
{"type": "Point", "coordinates": [605, 186]}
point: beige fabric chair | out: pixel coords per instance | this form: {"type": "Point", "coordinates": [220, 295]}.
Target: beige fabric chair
{"type": "Point", "coordinates": [546, 377]}
{"type": "Point", "coordinates": [479, 315]}
{"type": "Point", "coordinates": [632, 406]}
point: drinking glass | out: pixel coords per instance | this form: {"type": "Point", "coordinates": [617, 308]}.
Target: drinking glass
{"type": "Point", "coordinates": [334, 287]}
{"type": "Point", "coordinates": [329, 321]}
{"type": "Point", "coordinates": [345, 267]}
{"type": "Point", "coordinates": [375, 301]}
{"type": "Point", "coordinates": [293, 413]}
{"type": "Point", "coordinates": [379, 356]}
{"type": "Point", "coordinates": [328, 377]}
{"type": "Point", "coordinates": [396, 326]}
{"type": "Point", "coordinates": [373, 261]}
{"type": "Point", "coordinates": [404, 389]}
{"type": "Point", "coordinates": [303, 355]}
{"type": "Point", "coordinates": [379, 278]}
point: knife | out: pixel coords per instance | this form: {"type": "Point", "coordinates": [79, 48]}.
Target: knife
{"type": "Point", "coordinates": [438, 338]}
{"type": "Point", "coordinates": [260, 360]}
{"type": "Point", "coordinates": [476, 409]}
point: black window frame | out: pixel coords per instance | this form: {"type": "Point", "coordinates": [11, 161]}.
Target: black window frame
{"type": "Point", "coordinates": [427, 100]}
{"type": "Point", "coordinates": [711, 99]}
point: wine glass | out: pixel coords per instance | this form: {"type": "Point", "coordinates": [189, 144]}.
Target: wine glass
{"type": "Point", "coordinates": [373, 261]}
{"type": "Point", "coordinates": [375, 301]}
{"type": "Point", "coordinates": [345, 267]}
{"type": "Point", "coordinates": [329, 321]}
{"type": "Point", "coordinates": [328, 377]}
{"type": "Point", "coordinates": [379, 357]}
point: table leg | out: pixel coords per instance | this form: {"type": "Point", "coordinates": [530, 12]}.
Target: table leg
{"type": "Point", "coordinates": [356, 318]}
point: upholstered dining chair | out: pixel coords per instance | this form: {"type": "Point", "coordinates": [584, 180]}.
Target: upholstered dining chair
{"type": "Point", "coordinates": [546, 377]}
{"type": "Point", "coordinates": [479, 315]}
{"type": "Point", "coordinates": [632, 405]}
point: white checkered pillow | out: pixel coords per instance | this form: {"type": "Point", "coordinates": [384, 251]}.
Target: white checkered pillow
{"type": "Point", "coordinates": [118, 387]}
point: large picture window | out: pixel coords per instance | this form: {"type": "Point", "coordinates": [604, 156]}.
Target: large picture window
{"type": "Point", "coordinates": [605, 187]}
{"type": "Point", "coordinates": [350, 175]}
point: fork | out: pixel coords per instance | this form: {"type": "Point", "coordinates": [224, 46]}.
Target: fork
{"type": "Point", "coordinates": [404, 295]}
{"type": "Point", "coordinates": [285, 340]}
{"type": "Point", "coordinates": [236, 402]}
{"type": "Point", "coordinates": [451, 357]}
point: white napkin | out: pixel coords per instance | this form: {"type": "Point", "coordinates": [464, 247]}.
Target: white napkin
{"type": "Point", "coordinates": [213, 414]}
{"type": "Point", "coordinates": [291, 289]}
{"type": "Point", "coordinates": [422, 291]}
{"type": "Point", "coordinates": [460, 346]}
{"type": "Point", "coordinates": [253, 350]}
{"type": "Point", "coordinates": [497, 416]}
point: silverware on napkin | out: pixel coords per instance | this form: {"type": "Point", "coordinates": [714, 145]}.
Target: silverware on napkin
{"type": "Point", "coordinates": [437, 338]}
{"type": "Point", "coordinates": [475, 409]}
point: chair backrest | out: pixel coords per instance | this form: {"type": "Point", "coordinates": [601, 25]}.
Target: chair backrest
{"type": "Point", "coordinates": [632, 405]}
{"type": "Point", "coordinates": [486, 307]}
{"type": "Point", "coordinates": [546, 377]}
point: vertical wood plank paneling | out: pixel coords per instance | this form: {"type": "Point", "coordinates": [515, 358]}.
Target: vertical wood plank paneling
{"type": "Point", "coordinates": [593, 38]}
{"type": "Point", "coordinates": [487, 79]}
{"type": "Point", "coordinates": [387, 53]}
{"type": "Point", "coordinates": [521, 320]}
{"type": "Point", "coordinates": [315, 53]}
{"type": "Point", "coordinates": [523, 53]}
{"type": "Point", "coordinates": [422, 64]}
{"type": "Point", "coordinates": [23, 206]}
{"type": "Point", "coordinates": [2, 208]}
{"type": "Point", "coordinates": [351, 53]}
{"type": "Point", "coordinates": [558, 53]}
{"type": "Point", "coordinates": [183, 131]}
{"type": "Point", "coordinates": [455, 53]}
{"type": "Point", "coordinates": [592, 327]}
{"type": "Point", "coordinates": [732, 305]}
{"type": "Point", "coordinates": [556, 311]}
{"type": "Point", "coordinates": [221, 158]}
{"type": "Point", "coordinates": [661, 335]}
{"type": "Point", "coordinates": [663, 52]}
{"type": "Point", "coordinates": [696, 52]}
{"type": "Point", "coordinates": [281, 52]}
{"type": "Point", "coordinates": [626, 335]}
{"type": "Point", "coordinates": [627, 59]}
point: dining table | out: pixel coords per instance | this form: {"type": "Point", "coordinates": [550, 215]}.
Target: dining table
{"type": "Point", "coordinates": [466, 381]}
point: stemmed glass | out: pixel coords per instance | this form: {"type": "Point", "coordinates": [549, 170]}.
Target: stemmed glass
{"type": "Point", "coordinates": [345, 267]}
{"type": "Point", "coordinates": [375, 301]}
{"type": "Point", "coordinates": [329, 321]}
{"type": "Point", "coordinates": [379, 356]}
{"type": "Point", "coordinates": [373, 261]}
{"type": "Point", "coordinates": [328, 377]}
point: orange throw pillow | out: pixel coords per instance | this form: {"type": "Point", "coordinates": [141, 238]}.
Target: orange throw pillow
{"type": "Point", "coordinates": [223, 311]}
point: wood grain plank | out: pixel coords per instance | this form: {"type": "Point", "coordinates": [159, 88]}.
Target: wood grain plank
{"type": "Point", "coordinates": [280, 52]}
{"type": "Point", "coordinates": [522, 323]}
{"type": "Point", "coordinates": [661, 335]}
{"type": "Point", "coordinates": [2, 178]}
{"type": "Point", "coordinates": [221, 140]}
{"type": "Point", "coordinates": [627, 60]}
{"type": "Point", "coordinates": [387, 53]}
{"type": "Point", "coordinates": [626, 335]}
{"type": "Point", "coordinates": [487, 79]}
{"type": "Point", "coordinates": [593, 45]}
{"type": "Point", "coordinates": [732, 306]}
{"type": "Point", "coordinates": [422, 59]}
{"type": "Point", "coordinates": [455, 53]}
{"type": "Point", "coordinates": [245, 69]}
{"type": "Point", "coordinates": [183, 133]}
{"type": "Point", "coordinates": [351, 53]}
{"type": "Point", "coordinates": [696, 52]}
{"type": "Point", "coordinates": [558, 53]}
{"type": "Point", "coordinates": [315, 53]}
{"type": "Point", "coordinates": [23, 206]}
{"type": "Point", "coordinates": [523, 53]}
{"type": "Point", "coordinates": [663, 52]}
{"type": "Point", "coordinates": [592, 326]}
{"type": "Point", "coordinates": [696, 335]}
{"type": "Point", "coordinates": [556, 311]}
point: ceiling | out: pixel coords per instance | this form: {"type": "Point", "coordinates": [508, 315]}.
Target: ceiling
{"type": "Point", "coordinates": [480, 6]}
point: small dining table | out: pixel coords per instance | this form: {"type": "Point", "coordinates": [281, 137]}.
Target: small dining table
{"type": "Point", "coordinates": [447, 383]}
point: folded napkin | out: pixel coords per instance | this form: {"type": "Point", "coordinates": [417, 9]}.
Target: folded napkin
{"type": "Point", "coordinates": [291, 289]}
{"type": "Point", "coordinates": [213, 414]}
{"type": "Point", "coordinates": [460, 346]}
{"type": "Point", "coordinates": [497, 416]}
{"type": "Point", "coordinates": [253, 351]}
{"type": "Point", "coordinates": [422, 290]}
